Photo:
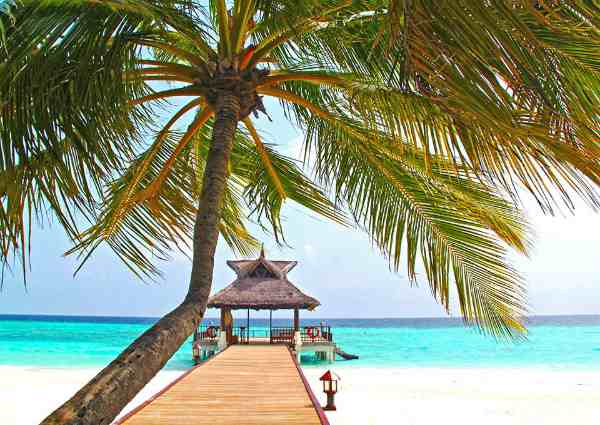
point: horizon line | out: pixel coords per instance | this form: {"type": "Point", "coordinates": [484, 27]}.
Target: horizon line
{"type": "Point", "coordinates": [278, 318]}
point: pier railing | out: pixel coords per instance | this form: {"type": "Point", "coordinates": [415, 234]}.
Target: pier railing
{"type": "Point", "coordinates": [274, 335]}
{"type": "Point", "coordinates": [282, 335]}
{"type": "Point", "coordinates": [210, 333]}
{"type": "Point", "coordinates": [207, 333]}
{"type": "Point", "coordinates": [316, 334]}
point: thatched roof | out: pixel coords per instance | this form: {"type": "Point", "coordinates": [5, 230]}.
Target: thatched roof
{"type": "Point", "coordinates": [262, 284]}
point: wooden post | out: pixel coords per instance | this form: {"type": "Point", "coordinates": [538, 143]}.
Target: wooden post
{"type": "Point", "coordinates": [248, 328]}
{"type": "Point", "coordinates": [227, 324]}
{"type": "Point", "coordinates": [330, 403]}
{"type": "Point", "coordinates": [271, 326]}
{"type": "Point", "coordinates": [296, 320]}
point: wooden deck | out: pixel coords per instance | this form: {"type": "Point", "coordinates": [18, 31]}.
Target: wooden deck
{"type": "Point", "coordinates": [243, 385]}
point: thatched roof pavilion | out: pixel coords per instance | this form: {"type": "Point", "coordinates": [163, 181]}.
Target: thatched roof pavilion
{"type": "Point", "coordinates": [261, 284]}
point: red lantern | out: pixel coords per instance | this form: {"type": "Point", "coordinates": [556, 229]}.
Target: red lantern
{"type": "Point", "coordinates": [330, 387]}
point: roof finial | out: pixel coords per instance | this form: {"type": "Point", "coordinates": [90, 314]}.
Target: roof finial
{"type": "Point", "coordinates": [262, 250]}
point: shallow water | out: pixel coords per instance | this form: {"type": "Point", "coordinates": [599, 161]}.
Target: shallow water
{"type": "Point", "coordinates": [557, 342]}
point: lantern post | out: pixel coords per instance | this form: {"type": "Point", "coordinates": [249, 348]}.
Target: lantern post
{"type": "Point", "coordinates": [330, 387]}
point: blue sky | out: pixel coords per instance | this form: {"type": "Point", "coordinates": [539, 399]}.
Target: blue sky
{"type": "Point", "coordinates": [336, 265]}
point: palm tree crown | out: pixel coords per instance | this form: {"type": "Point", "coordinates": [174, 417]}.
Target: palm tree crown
{"type": "Point", "coordinates": [424, 120]}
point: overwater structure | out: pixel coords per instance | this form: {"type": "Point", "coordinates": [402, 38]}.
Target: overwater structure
{"type": "Point", "coordinates": [262, 284]}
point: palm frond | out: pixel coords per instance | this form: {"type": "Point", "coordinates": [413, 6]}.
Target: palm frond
{"type": "Point", "coordinates": [263, 195]}
{"type": "Point", "coordinates": [507, 68]}
{"type": "Point", "coordinates": [507, 146]}
{"type": "Point", "coordinates": [143, 229]}
{"type": "Point", "coordinates": [435, 216]}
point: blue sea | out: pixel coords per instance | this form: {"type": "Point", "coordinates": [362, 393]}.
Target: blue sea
{"type": "Point", "coordinates": [556, 342]}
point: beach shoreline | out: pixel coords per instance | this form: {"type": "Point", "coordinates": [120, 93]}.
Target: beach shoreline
{"type": "Point", "coordinates": [368, 395]}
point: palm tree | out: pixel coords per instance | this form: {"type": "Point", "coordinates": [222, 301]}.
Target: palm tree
{"type": "Point", "coordinates": [424, 122]}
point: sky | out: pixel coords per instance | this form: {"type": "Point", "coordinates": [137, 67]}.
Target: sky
{"type": "Point", "coordinates": [337, 265]}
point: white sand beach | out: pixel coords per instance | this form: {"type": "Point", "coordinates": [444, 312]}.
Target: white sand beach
{"type": "Point", "coordinates": [29, 394]}
{"type": "Point", "coordinates": [368, 395]}
{"type": "Point", "coordinates": [418, 396]}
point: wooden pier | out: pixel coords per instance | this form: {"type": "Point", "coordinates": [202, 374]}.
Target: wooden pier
{"type": "Point", "coordinates": [243, 385]}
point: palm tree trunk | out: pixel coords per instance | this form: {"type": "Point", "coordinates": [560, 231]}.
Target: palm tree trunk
{"type": "Point", "coordinates": [101, 400]}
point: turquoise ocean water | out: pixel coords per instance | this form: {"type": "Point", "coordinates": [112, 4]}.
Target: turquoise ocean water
{"type": "Point", "coordinates": [557, 342]}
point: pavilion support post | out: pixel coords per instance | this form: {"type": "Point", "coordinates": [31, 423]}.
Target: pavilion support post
{"type": "Point", "coordinates": [270, 326]}
{"type": "Point", "coordinates": [296, 320]}
{"type": "Point", "coordinates": [248, 327]}
{"type": "Point", "coordinates": [226, 327]}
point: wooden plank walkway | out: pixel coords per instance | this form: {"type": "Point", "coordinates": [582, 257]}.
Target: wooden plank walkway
{"type": "Point", "coordinates": [243, 385]}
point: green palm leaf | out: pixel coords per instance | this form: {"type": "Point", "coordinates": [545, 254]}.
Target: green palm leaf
{"type": "Point", "coordinates": [439, 214]}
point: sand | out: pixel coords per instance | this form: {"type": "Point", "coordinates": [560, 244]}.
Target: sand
{"type": "Point", "coordinates": [463, 396]}
{"type": "Point", "coordinates": [368, 395]}
{"type": "Point", "coordinates": [29, 394]}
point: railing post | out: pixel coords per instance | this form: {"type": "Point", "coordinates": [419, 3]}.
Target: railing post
{"type": "Point", "coordinates": [297, 343]}
{"type": "Point", "coordinates": [222, 342]}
